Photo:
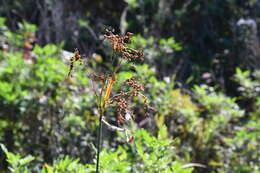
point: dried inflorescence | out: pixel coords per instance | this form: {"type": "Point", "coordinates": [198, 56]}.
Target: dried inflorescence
{"type": "Point", "coordinates": [136, 91]}
{"type": "Point", "coordinates": [123, 101]}
{"type": "Point", "coordinates": [101, 77]}
{"type": "Point", "coordinates": [119, 45]}
{"type": "Point", "coordinates": [73, 59]}
{"type": "Point", "coordinates": [136, 88]}
{"type": "Point", "coordinates": [121, 105]}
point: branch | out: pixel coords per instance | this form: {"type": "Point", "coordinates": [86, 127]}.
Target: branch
{"type": "Point", "coordinates": [112, 127]}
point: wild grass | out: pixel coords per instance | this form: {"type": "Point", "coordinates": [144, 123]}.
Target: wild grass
{"type": "Point", "coordinates": [129, 90]}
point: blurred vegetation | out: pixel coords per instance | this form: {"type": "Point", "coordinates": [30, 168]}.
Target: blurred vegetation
{"type": "Point", "coordinates": [201, 74]}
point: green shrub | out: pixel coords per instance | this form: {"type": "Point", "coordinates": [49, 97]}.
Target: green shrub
{"type": "Point", "coordinates": [147, 154]}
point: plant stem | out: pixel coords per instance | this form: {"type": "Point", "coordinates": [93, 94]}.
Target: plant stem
{"type": "Point", "coordinates": [102, 106]}
{"type": "Point", "coordinates": [99, 140]}
{"type": "Point", "coordinates": [101, 113]}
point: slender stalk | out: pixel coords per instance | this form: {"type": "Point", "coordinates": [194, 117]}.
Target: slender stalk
{"type": "Point", "coordinates": [99, 140]}
{"type": "Point", "coordinates": [101, 113]}
{"type": "Point", "coordinates": [107, 86]}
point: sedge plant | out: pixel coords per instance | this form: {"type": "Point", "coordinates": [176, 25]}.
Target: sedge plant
{"type": "Point", "coordinates": [102, 86]}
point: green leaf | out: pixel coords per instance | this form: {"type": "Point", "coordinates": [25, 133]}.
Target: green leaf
{"type": "Point", "coordinates": [4, 148]}
{"type": "Point", "coordinates": [162, 134]}
{"type": "Point", "coordinates": [26, 160]}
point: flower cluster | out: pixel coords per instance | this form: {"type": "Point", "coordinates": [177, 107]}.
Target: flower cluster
{"type": "Point", "coordinates": [121, 106]}
{"type": "Point", "coordinates": [100, 77]}
{"type": "Point", "coordinates": [136, 88]}
{"type": "Point", "coordinates": [119, 45]}
{"type": "Point", "coordinates": [121, 101]}
{"type": "Point", "coordinates": [74, 58]}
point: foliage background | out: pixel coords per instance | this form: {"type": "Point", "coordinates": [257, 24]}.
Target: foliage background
{"type": "Point", "coordinates": [201, 73]}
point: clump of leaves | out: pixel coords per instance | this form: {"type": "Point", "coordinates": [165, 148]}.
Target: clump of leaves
{"type": "Point", "coordinates": [148, 154]}
{"type": "Point", "coordinates": [18, 164]}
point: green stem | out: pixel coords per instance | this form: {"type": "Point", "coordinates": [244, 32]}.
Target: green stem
{"type": "Point", "coordinates": [101, 112]}
{"type": "Point", "coordinates": [99, 141]}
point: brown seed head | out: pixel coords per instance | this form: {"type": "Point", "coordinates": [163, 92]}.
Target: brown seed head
{"type": "Point", "coordinates": [119, 44]}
